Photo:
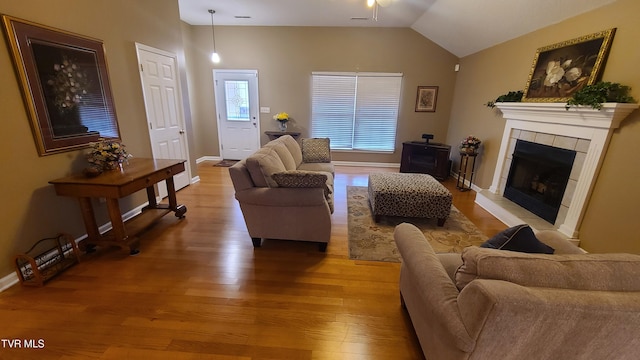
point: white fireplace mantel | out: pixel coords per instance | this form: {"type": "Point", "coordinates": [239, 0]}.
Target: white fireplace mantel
{"type": "Point", "coordinates": [597, 126]}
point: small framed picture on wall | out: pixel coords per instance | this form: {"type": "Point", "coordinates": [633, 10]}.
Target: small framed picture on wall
{"type": "Point", "coordinates": [426, 98]}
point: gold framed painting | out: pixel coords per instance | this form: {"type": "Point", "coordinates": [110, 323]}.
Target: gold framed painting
{"type": "Point", "coordinates": [561, 69]}
{"type": "Point", "coordinates": [426, 98]}
{"type": "Point", "coordinates": [65, 85]}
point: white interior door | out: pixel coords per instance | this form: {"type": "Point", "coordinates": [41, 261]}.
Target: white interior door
{"type": "Point", "coordinates": [163, 103]}
{"type": "Point", "coordinates": [236, 93]}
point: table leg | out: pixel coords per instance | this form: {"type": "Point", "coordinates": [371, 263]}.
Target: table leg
{"type": "Point", "coordinates": [117, 224]}
{"type": "Point", "coordinates": [151, 197]}
{"type": "Point", "coordinates": [90, 224]}
{"type": "Point", "coordinates": [179, 210]}
{"type": "Point", "coordinates": [171, 193]}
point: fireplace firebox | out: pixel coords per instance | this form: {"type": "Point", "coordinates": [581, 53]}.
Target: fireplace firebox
{"type": "Point", "coordinates": [538, 178]}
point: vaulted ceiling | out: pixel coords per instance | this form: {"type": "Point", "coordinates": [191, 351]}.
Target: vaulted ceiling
{"type": "Point", "coordinates": [463, 27]}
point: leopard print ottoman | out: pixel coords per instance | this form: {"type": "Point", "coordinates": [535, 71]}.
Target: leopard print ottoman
{"type": "Point", "coordinates": [408, 195]}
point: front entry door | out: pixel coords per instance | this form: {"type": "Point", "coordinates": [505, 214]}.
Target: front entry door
{"type": "Point", "coordinates": [236, 93]}
{"type": "Point", "coordinates": [163, 104]}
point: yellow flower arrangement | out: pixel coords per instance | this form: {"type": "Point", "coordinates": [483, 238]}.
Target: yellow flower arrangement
{"type": "Point", "coordinates": [282, 117]}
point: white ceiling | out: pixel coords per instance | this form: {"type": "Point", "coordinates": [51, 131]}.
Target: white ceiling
{"type": "Point", "coordinates": [463, 27]}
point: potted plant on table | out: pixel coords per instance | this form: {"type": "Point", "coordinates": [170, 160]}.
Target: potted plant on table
{"type": "Point", "coordinates": [282, 119]}
{"type": "Point", "coordinates": [106, 154]}
{"type": "Point", "coordinates": [470, 145]}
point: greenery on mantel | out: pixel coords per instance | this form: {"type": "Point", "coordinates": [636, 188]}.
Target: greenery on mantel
{"type": "Point", "coordinates": [591, 95]}
{"type": "Point", "coordinates": [511, 96]}
{"type": "Point", "coordinates": [597, 94]}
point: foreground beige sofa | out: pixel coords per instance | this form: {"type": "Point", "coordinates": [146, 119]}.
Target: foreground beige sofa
{"type": "Point", "coordinates": [569, 305]}
{"type": "Point", "coordinates": [282, 196]}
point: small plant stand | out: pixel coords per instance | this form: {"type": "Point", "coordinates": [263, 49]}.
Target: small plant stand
{"type": "Point", "coordinates": [464, 169]}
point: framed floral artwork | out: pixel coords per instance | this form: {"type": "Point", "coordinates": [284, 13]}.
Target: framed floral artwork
{"type": "Point", "coordinates": [426, 98]}
{"type": "Point", "coordinates": [561, 69]}
{"type": "Point", "coordinates": [65, 85]}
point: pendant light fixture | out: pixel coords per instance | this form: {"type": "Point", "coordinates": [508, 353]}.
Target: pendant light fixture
{"type": "Point", "coordinates": [215, 58]}
{"type": "Point", "coordinates": [374, 5]}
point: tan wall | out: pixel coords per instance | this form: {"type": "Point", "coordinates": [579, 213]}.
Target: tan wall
{"type": "Point", "coordinates": [285, 58]}
{"type": "Point", "coordinates": [610, 224]}
{"type": "Point", "coordinates": [30, 209]}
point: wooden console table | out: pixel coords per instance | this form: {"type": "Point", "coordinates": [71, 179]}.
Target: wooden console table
{"type": "Point", "coordinates": [115, 184]}
{"type": "Point", "coordinates": [276, 134]}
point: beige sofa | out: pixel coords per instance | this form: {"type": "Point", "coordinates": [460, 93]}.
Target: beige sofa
{"type": "Point", "coordinates": [285, 193]}
{"type": "Point", "coordinates": [568, 305]}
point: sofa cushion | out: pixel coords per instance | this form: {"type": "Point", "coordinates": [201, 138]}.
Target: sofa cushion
{"type": "Point", "coordinates": [325, 167]}
{"type": "Point", "coordinates": [284, 153]}
{"type": "Point", "coordinates": [303, 179]}
{"type": "Point", "coordinates": [262, 164]}
{"type": "Point", "coordinates": [316, 150]}
{"type": "Point", "coordinates": [599, 272]}
{"type": "Point", "coordinates": [518, 238]}
{"type": "Point", "coordinates": [293, 146]}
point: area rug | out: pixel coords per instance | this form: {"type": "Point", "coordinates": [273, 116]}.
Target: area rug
{"type": "Point", "coordinates": [369, 240]}
{"type": "Point", "coordinates": [226, 163]}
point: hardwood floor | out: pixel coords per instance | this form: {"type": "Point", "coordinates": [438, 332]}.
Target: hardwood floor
{"type": "Point", "coordinates": [198, 290]}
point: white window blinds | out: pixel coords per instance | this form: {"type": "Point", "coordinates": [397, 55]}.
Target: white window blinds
{"type": "Point", "coordinates": [357, 111]}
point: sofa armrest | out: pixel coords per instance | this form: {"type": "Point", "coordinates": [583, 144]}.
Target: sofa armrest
{"type": "Point", "coordinates": [517, 322]}
{"type": "Point", "coordinates": [431, 292]}
{"type": "Point", "coordinates": [558, 242]}
{"type": "Point", "coordinates": [282, 196]}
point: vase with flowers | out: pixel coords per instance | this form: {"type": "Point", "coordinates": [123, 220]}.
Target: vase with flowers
{"type": "Point", "coordinates": [282, 119]}
{"type": "Point", "coordinates": [107, 154]}
{"type": "Point", "coordinates": [470, 145]}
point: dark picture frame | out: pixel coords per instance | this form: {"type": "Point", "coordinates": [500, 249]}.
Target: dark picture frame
{"type": "Point", "coordinates": [561, 69]}
{"type": "Point", "coordinates": [65, 85]}
{"type": "Point", "coordinates": [426, 98]}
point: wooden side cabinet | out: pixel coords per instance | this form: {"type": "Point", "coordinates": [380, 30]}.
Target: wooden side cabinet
{"type": "Point", "coordinates": [426, 158]}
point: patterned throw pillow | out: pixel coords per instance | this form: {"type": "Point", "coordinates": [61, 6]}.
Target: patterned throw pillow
{"type": "Point", "coordinates": [302, 179]}
{"type": "Point", "coordinates": [316, 150]}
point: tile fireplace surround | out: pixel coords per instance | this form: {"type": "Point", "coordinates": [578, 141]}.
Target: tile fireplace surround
{"type": "Point", "coordinates": [582, 129]}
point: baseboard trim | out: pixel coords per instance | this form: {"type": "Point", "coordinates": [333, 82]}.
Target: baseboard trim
{"type": "Point", "coordinates": [12, 279]}
{"type": "Point", "coordinates": [208, 158]}
{"type": "Point", "coordinates": [366, 164]}
{"type": "Point", "coordinates": [8, 281]}
{"type": "Point", "coordinates": [467, 183]}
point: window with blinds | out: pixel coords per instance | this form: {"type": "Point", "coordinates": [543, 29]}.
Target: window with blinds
{"type": "Point", "coordinates": [357, 111]}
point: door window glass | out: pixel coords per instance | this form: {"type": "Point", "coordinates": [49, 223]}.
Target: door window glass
{"type": "Point", "coordinates": [237, 100]}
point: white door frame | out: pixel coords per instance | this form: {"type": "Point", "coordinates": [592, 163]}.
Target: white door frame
{"type": "Point", "coordinates": [162, 192]}
{"type": "Point", "coordinates": [257, 103]}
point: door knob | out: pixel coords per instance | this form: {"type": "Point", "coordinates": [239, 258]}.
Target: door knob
{"type": "Point", "coordinates": [181, 131]}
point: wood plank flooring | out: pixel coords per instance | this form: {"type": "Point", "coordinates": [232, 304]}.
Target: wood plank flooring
{"type": "Point", "coordinates": [198, 290]}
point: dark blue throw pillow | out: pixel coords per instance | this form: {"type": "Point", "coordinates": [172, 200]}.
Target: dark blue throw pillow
{"type": "Point", "coordinates": [518, 238]}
